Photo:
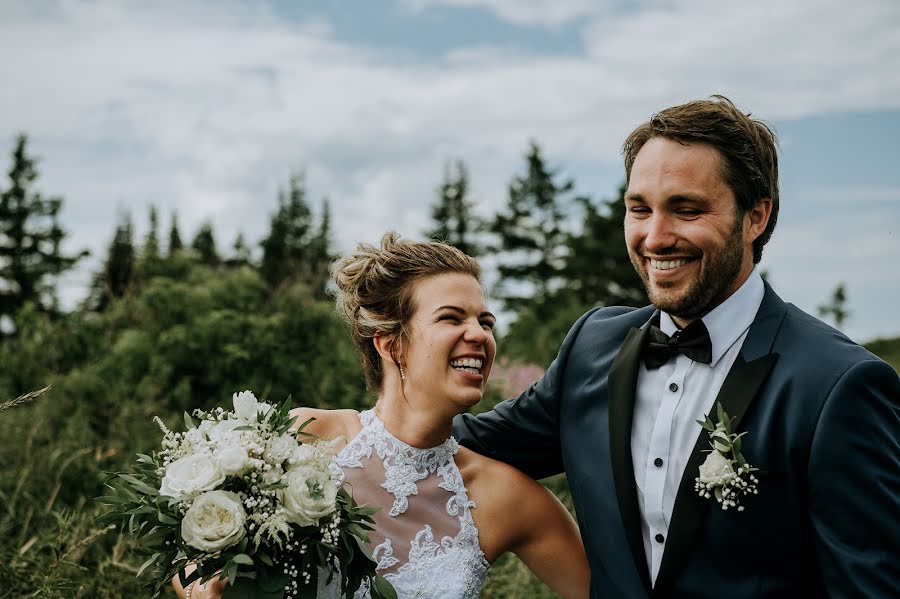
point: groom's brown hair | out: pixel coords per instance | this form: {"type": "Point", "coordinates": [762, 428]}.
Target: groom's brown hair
{"type": "Point", "coordinates": [747, 147]}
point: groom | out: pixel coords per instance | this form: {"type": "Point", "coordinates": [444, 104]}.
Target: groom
{"type": "Point", "coordinates": [618, 408]}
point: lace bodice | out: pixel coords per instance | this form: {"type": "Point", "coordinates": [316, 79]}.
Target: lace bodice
{"type": "Point", "coordinates": [425, 541]}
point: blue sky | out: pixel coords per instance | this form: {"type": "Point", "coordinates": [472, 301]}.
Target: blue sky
{"type": "Point", "coordinates": [204, 108]}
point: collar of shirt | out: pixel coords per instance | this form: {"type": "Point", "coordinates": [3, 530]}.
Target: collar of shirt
{"type": "Point", "coordinates": [727, 321]}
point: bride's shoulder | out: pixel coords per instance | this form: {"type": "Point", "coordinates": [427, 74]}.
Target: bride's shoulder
{"type": "Point", "coordinates": [494, 481]}
{"type": "Point", "coordinates": [504, 498]}
{"type": "Point", "coordinates": [328, 424]}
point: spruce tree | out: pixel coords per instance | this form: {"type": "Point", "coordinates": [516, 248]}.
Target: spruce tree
{"type": "Point", "coordinates": [295, 249]}
{"type": "Point", "coordinates": [241, 252]}
{"type": "Point", "coordinates": [118, 274]}
{"type": "Point", "coordinates": [452, 214]}
{"type": "Point", "coordinates": [597, 268]}
{"type": "Point", "coordinates": [30, 239]}
{"type": "Point", "coordinates": [532, 236]}
{"type": "Point", "coordinates": [175, 243]}
{"type": "Point", "coordinates": [204, 245]}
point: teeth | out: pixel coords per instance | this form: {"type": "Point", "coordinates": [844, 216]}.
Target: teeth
{"type": "Point", "coordinates": [472, 365]}
{"type": "Point", "coordinates": [667, 264]}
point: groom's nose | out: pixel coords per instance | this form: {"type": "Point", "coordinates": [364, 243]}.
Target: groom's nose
{"type": "Point", "coordinates": [660, 232]}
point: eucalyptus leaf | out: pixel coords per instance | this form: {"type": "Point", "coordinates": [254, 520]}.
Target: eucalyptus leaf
{"type": "Point", "coordinates": [382, 589]}
{"type": "Point", "coordinates": [242, 558]}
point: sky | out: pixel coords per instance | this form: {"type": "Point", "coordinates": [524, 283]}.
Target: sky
{"type": "Point", "coordinates": [205, 108]}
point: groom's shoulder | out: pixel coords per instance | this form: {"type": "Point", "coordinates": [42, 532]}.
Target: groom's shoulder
{"type": "Point", "coordinates": [612, 319]}
{"type": "Point", "coordinates": [802, 334]}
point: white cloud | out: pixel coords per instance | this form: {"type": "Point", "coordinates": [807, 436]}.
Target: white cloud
{"type": "Point", "coordinates": [525, 12]}
{"type": "Point", "coordinates": [205, 108]}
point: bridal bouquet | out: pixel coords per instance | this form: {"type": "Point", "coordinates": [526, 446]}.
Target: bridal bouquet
{"type": "Point", "coordinates": [237, 495]}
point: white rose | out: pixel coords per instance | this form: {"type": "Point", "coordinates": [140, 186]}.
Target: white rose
{"type": "Point", "coordinates": [245, 405]}
{"type": "Point", "coordinates": [233, 460]}
{"type": "Point", "coordinates": [716, 470]}
{"type": "Point", "coordinates": [280, 448]}
{"type": "Point", "coordinates": [302, 454]}
{"type": "Point", "coordinates": [310, 494]}
{"type": "Point", "coordinates": [191, 474]}
{"type": "Point", "coordinates": [214, 522]}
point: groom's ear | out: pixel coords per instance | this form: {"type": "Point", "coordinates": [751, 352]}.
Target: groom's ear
{"type": "Point", "coordinates": [757, 218]}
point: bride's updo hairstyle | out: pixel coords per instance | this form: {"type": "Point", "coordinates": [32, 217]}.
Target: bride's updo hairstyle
{"type": "Point", "coordinates": [376, 288]}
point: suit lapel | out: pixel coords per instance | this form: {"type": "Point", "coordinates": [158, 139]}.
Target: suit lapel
{"type": "Point", "coordinates": [622, 387]}
{"type": "Point", "coordinates": [750, 370]}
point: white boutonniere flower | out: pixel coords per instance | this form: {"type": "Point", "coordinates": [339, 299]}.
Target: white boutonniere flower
{"type": "Point", "coordinates": [725, 474]}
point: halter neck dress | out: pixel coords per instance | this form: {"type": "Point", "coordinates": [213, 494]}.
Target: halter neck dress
{"type": "Point", "coordinates": [425, 541]}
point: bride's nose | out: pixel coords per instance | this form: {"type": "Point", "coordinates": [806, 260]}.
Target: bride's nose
{"type": "Point", "coordinates": [475, 333]}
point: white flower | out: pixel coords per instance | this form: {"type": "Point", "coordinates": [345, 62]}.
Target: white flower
{"type": "Point", "coordinates": [233, 460]}
{"type": "Point", "coordinates": [246, 405]}
{"type": "Point", "coordinates": [716, 470]}
{"type": "Point", "coordinates": [191, 474]}
{"type": "Point", "coordinates": [310, 494]}
{"type": "Point", "coordinates": [303, 454]}
{"type": "Point", "coordinates": [280, 448]}
{"type": "Point", "coordinates": [214, 522]}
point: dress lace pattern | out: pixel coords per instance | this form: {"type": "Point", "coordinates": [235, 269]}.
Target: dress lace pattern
{"type": "Point", "coordinates": [426, 544]}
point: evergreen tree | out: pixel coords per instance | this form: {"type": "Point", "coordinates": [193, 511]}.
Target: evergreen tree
{"type": "Point", "coordinates": [295, 249]}
{"type": "Point", "coordinates": [150, 250]}
{"type": "Point", "coordinates": [598, 270]}
{"type": "Point", "coordinates": [532, 236]}
{"type": "Point", "coordinates": [118, 274]}
{"type": "Point", "coordinates": [321, 255]}
{"type": "Point", "coordinates": [204, 245]}
{"type": "Point", "coordinates": [149, 263]}
{"type": "Point", "coordinates": [30, 239]}
{"type": "Point", "coordinates": [175, 243]}
{"type": "Point", "coordinates": [241, 255]}
{"type": "Point", "coordinates": [837, 307]}
{"type": "Point", "coordinates": [454, 222]}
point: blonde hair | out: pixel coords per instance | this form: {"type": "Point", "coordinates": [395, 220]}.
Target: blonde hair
{"type": "Point", "coordinates": [375, 290]}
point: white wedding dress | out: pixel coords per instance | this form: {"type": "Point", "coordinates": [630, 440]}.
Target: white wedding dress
{"type": "Point", "coordinates": [425, 541]}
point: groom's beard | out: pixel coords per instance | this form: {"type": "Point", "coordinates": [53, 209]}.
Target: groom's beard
{"type": "Point", "coordinates": [719, 270]}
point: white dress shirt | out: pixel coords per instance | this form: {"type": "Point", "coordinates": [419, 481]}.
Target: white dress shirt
{"type": "Point", "coordinates": [670, 400]}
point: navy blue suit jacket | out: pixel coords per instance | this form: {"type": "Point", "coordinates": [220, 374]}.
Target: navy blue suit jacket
{"type": "Point", "coordinates": [822, 417]}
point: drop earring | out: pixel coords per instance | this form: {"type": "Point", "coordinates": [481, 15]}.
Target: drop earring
{"type": "Point", "coordinates": [402, 374]}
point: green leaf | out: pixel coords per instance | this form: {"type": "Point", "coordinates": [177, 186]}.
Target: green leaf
{"type": "Point", "coordinates": [736, 445]}
{"type": "Point", "coordinates": [382, 589]}
{"type": "Point", "coordinates": [720, 413]}
{"type": "Point", "coordinates": [264, 558]}
{"type": "Point", "coordinates": [167, 519]}
{"type": "Point", "coordinates": [242, 558]}
{"type": "Point", "coordinates": [147, 563]}
{"type": "Point", "coordinates": [188, 421]}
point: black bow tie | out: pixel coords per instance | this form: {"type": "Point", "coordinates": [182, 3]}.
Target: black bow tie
{"type": "Point", "coordinates": [693, 342]}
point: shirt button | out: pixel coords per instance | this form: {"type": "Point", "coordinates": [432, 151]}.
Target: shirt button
{"type": "Point", "coordinates": [673, 387]}
{"type": "Point", "coordinates": [658, 462]}
{"type": "Point", "coordinates": [660, 538]}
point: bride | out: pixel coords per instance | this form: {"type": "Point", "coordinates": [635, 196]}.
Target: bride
{"type": "Point", "coordinates": [417, 314]}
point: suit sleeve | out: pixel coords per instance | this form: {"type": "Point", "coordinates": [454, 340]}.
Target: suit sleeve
{"type": "Point", "coordinates": [854, 474]}
{"type": "Point", "coordinates": [524, 432]}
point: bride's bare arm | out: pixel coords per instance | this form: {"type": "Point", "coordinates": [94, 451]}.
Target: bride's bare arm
{"type": "Point", "coordinates": [520, 515]}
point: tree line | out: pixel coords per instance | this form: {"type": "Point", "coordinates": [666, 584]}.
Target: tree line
{"type": "Point", "coordinates": [555, 251]}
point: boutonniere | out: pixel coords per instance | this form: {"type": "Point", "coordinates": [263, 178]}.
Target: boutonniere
{"type": "Point", "coordinates": [725, 473]}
